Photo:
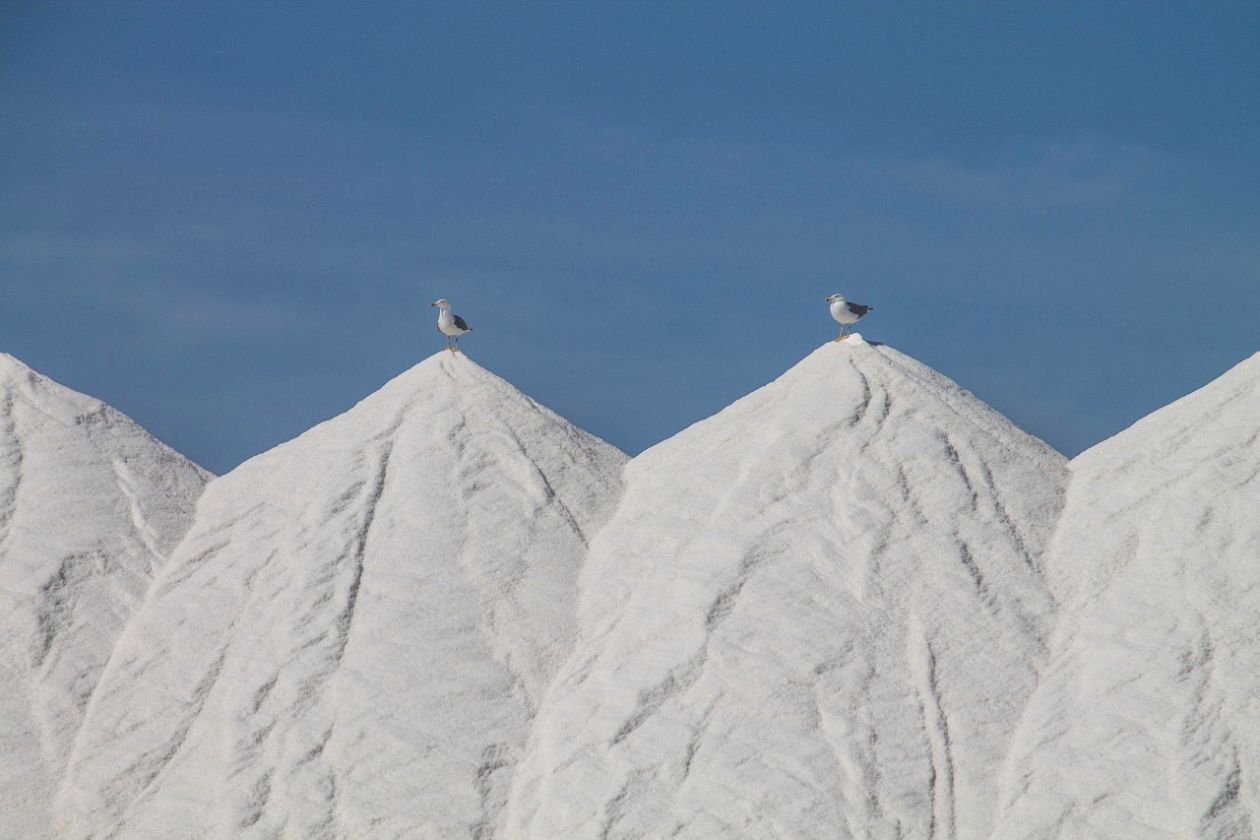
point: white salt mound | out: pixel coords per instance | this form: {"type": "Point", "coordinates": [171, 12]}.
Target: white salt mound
{"type": "Point", "coordinates": [353, 638]}
{"type": "Point", "coordinates": [90, 507]}
{"type": "Point", "coordinates": [816, 614]}
{"type": "Point", "coordinates": [1147, 725]}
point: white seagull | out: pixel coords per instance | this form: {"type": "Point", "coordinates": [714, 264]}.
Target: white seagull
{"type": "Point", "coordinates": [846, 313]}
{"type": "Point", "coordinates": [451, 326]}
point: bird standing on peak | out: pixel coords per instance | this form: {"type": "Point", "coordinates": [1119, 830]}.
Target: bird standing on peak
{"type": "Point", "coordinates": [451, 326]}
{"type": "Point", "coordinates": [846, 313]}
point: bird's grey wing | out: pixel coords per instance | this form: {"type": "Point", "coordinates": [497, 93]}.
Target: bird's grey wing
{"type": "Point", "coordinates": [461, 323]}
{"type": "Point", "coordinates": [858, 309]}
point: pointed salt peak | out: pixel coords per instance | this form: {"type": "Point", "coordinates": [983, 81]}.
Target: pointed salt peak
{"type": "Point", "coordinates": [442, 366]}
{"type": "Point", "coordinates": [837, 354]}
{"type": "Point", "coordinates": [455, 379]}
{"type": "Point", "coordinates": [870, 360]}
{"type": "Point", "coordinates": [827, 382]}
{"type": "Point", "coordinates": [442, 381]}
{"type": "Point", "coordinates": [841, 379]}
{"type": "Point", "coordinates": [440, 377]}
{"type": "Point", "coordinates": [878, 362]}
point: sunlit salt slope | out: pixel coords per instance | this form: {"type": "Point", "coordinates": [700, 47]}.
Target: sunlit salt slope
{"type": "Point", "coordinates": [816, 614]}
{"type": "Point", "coordinates": [352, 640]}
{"type": "Point", "coordinates": [90, 507]}
{"type": "Point", "coordinates": [1147, 726]}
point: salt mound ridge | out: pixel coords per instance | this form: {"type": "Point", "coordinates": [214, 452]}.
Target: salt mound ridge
{"type": "Point", "coordinates": [855, 603]}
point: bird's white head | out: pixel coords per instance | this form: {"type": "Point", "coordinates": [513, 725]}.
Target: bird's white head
{"type": "Point", "coordinates": [441, 304]}
{"type": "Point", "coordinates": [837, 298]}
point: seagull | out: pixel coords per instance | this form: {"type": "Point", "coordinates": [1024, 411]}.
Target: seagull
{"type": "Point", "coordinates": [846, 313]}
{"type": "Point", "coordinates": [451, 326]}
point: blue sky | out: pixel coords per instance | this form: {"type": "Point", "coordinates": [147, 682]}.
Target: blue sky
{"type": "Point", "coordinates": [228, 220]}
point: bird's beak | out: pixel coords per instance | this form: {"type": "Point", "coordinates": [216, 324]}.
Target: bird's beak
{"type": "Point", "coordinates": [433, 304]}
